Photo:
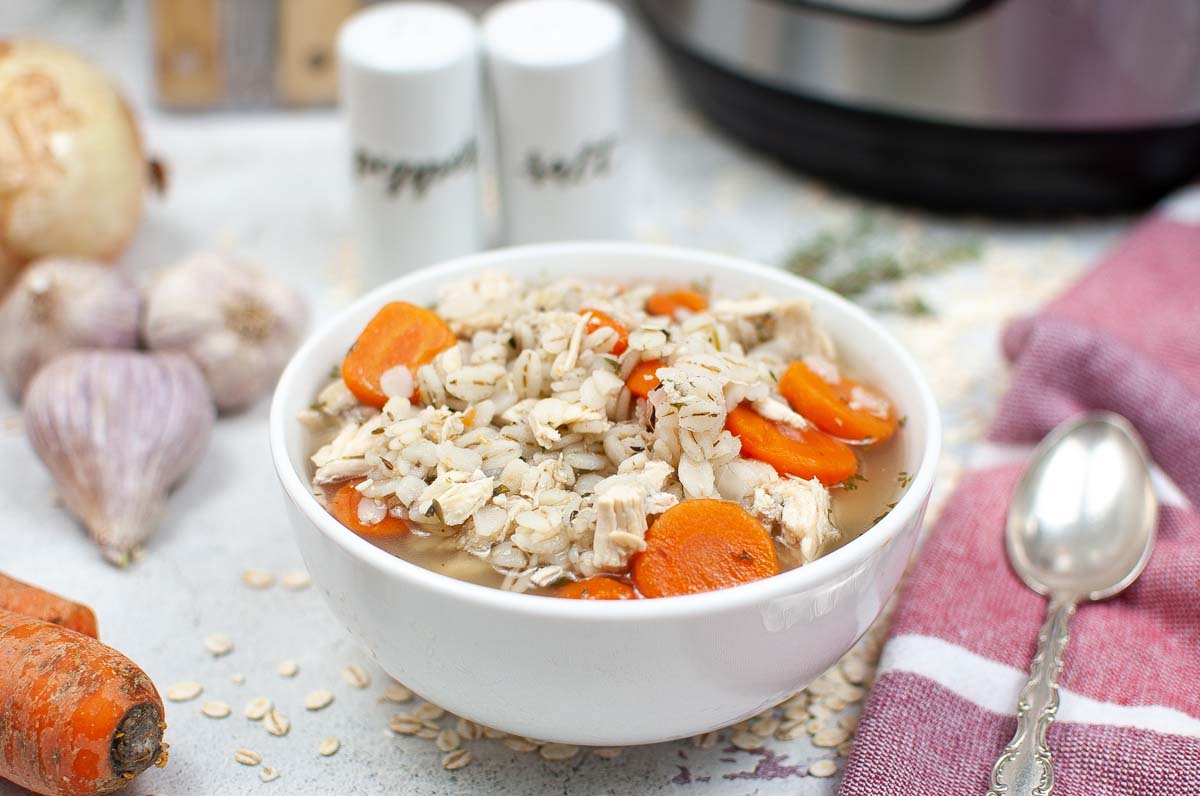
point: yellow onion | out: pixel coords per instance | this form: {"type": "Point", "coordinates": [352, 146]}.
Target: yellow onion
{"type": "Point", "coordinates": [72, 171]}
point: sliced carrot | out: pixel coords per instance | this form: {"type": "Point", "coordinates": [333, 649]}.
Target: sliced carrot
{"type": "Point", "coordinates": [344, 508]}
{"type": "Point", "coordinates": [399, 334]}
{"type": "Point", "coordinates": [80, 719]}
{"type": "Point", "coordinates": [828, 405]}
{"type": "Point", "coordinates": [600, 318]}
{"type": "Point", "coordinates": [597, 588]}
{"type": "Point", "coordinates": [809, 453]}
{"type": "Point", "coordinates": [703, 545]}
{"type": "Point", "coordinates": [644, 377]}
{"type": "Point", "coordinates": [670, 302]}
{"type": "Point", "coordinates": [23, 598]}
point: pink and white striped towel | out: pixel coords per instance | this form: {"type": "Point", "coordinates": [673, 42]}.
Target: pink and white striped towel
{"type": "Point", "coordinates": [1126, 338]}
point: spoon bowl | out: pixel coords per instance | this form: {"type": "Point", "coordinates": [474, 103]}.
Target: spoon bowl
{"type": "Point", "coordinates": [1082, 520]}
{"type": "Point", "coordinates": [1081, 525]}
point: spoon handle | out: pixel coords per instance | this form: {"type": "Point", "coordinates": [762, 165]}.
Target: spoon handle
{"type": "Point", "coordinates": [1024, 768]}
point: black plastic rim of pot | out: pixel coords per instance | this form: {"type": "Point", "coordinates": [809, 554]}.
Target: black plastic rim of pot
{"type": "Point", "coordinates": [939, 166]}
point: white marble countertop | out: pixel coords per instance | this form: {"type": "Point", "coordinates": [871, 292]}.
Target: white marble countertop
{"type": "Point", "coordinates": [273, 187]}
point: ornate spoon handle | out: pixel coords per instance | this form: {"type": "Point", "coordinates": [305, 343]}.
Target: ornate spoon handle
{"type": "Point", "coordinates": [1024, 768]}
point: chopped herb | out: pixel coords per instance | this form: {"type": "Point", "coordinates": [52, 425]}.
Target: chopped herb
{"type": "Point", "coordinates": [887, 510]}
{"type": "Point", "coordinates": [903, 421]}
{"type": "Point", "coordinates": [612, 363]}
{"type": "Point", "coordinates": [744, 556]}
{"type": "Point", "coordinates": [380, 430]}
{"type": "Point", "coordinates": [851, 483]}
{"type": "Point", "coordinates": [914, 306]}
{"type": "Point", "coordinates": [501, 489]}
{"type": "Point", "coordinates": [903, 478]}
{"type": "Point", "coordinates": [585, 593]}
{"type": "Point", "coordinates": [316, 407]}
{"type": "Point", "coordinates": [387, 464]}
{"type": "Point", "coordinates": [702, 285]}
{"type": "Point", "coordinates": [870, 252]}
{"type": "Point", "coordinates": [335, 372]}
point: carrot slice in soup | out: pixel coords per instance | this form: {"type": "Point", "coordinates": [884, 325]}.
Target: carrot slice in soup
{"type": "Point", "coordinates": [670, 302]}
{"type": "Point", "coordinates": [831, 407]}
{"type": "Point", "coordinates": [597, 588]}
{"type": "Point", "coordinates": [644, 377]}
{"type": "Point", "coordinates": [400, 334]}
{"type": "Point", "coordinates": [344, 508]}
{"type": "Point", "coordinates": [703, 545]}
{"type": "Point", "coordinates": [809, 453]}
{"type": "Point", "coordinates": [600, 318]}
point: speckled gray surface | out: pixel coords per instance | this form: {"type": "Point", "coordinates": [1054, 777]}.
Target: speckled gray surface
{"type": "Point", "coordinates": [272, 187]}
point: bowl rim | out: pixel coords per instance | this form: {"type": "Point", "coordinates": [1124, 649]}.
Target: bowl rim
{"type": "Point", "coordinates": [842, 561]}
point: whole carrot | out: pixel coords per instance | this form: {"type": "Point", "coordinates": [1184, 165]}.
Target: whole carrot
{"type": "Point", "coordinates": [23, 598]}
{"type": "Point", "coordinates": [78, 718]}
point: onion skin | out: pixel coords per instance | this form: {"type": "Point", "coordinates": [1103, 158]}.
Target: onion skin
{"type": "Point", "coordinates": [72, 169]}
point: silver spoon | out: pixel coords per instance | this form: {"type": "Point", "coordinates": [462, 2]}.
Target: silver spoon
{"type": "Point", "coordinates": [1081, 525]}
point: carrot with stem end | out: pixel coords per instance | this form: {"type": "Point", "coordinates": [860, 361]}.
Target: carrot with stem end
{"type": "Point", "coordinates": [598, 319]}
{"type": "Point", "coordinates": [832, 407]}
{"type": "Point", "coordinates": [671, 302]}
{"type": "Point", "coordinates": [703, 545]}
{"type": "Point", "coordinates": [22, 598]}
{"type": "Point", "coordinates": [344, 508]}
{"type": "Point", "coordinates": [78, 718]}
{"type": "Point", "coordinates": [598, 587]}
{"type": "Point", "coordinates": [644, 377]}
{"type": "Point", "coordinates": [400, 335]}
{"type": "Point", "coordinates": [808, 453]}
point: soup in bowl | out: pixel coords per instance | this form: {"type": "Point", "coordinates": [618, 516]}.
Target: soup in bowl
{"type": "Point", "coordinates": [716, 470]}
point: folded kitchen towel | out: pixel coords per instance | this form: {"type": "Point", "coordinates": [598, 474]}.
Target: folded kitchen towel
{"type": "Point", "coordinates": [1126, 338]}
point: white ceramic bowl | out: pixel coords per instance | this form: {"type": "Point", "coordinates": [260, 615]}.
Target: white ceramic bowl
{"type": "Point", "coordinates": [607, 672]}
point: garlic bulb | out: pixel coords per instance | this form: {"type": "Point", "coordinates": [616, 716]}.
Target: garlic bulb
{"type": "Point", "coordinates": [72, 171]}
{"type": "Point", "coordinates": [238, 324]}
{"type": "Point", "coordinates": [60, 304]}
{"type": "Point", "coordinates": [118, 429]}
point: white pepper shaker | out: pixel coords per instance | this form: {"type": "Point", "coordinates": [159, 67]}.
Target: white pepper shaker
{"type": "Point", "coordinates": [556, 69]}
{"type": "Point", "coordinates": [409, 88]}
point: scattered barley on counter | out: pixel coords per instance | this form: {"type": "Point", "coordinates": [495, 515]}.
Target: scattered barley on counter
{"type": "Point", "coordinates": [459, 758]}
{"type": "Point", "coordinates": [558, 751]}
{"type": "Point", "coordinates": [765, 725]}
{"type": "Point", "coordinates": [329, 747]}
{"type": "Point", "coordinates": [295, 580]}
{"type": "Point", "coordinates": [247, 757]}
{"type": "Point", "coordinates": [519, 744]}
{"type": "Point", "coordinates": [607, 752]}
{"type": "Point", "coordinates": [257, 708]}
{"type": "Point", "coordinates": [746, 740]}
{"type": "Point", "coordinates": [218, 644]}
{"type": "Point", "coordinates": [829, 737]}
{"type": "Point", "coordinates": [237, 678]}
{"type": "Point", "coordinates": [318, 700]}
{"type": "Point", "coordinates": [288, 668]}
{"type": "Point", "coordinates": [404, 724]}
{"type": "Point", "coordinates": [467, 729]}
{"type": "Point", "coordinates": [355, 676]}
{"type": "Point", "coordinates": [823, 768]}
{"type": "Point", "coordinates": [268, 774]}
{"type": "Point", "coordinates": [258, 578]}
{"type": "Point", "coordinates": [215, 710]}
{"type": "Point", "coordinates": [447, 741]}
{"type": "Point", "coordinates": [185, 691]}
{"type": "Point", "coordinates": [276, 723]}
{"type": "Point", "coordinates": [428, 712]}
{"type": "Point", "coordinates": [394, 692]}
{"type": "Point", "coordinates": [706, 740]}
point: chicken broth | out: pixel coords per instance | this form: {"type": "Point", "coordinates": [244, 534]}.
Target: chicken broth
{"type": "Point", "coordinates": [543, 435]}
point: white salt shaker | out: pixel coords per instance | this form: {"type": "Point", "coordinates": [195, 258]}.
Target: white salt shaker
{"type": "Point", "coordinates": [409, 88]}
{"type": "Point", "coordinates": [556, 69]}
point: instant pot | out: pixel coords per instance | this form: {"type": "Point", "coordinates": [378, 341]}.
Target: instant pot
{"type": "Point", "coordinates": [1003, 106]}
